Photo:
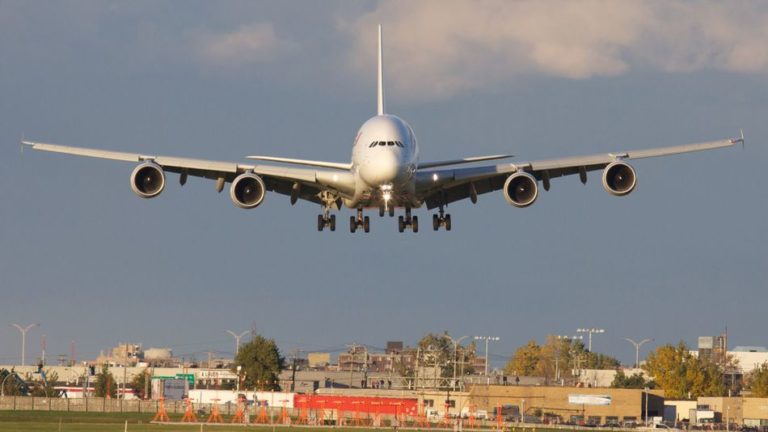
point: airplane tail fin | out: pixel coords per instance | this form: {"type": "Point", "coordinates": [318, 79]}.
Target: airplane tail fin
{"type": "Point", "coordinates": [380, 81]}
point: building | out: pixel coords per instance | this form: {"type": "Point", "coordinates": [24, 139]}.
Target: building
{"type": "Point", "coordinates": [570, 404]}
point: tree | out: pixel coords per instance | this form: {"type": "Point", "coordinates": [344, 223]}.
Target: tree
{"type": "Point", "coordinates": [141, 385]}
{"type": "Point", "coordinates": [105, 383]}
{"type": "Point", "coordinates": [261, 363]}
{"type": "Point", "coordinates": [683, 375]}
{"type": "Point", "coordinates": [525, 360]}
{"type": "Point", "coordinates": [757, 381]}
{"type": "Point", "coordinates": [47, 388]}
{"type": "Point", "coordinates": [634, 381]}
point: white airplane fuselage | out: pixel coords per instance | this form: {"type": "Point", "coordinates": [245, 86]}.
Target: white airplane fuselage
{"type": "Point", "coordinates": [384, 159]}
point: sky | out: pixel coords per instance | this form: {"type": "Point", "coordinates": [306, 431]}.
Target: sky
{"type": "Point", "coordinates": [684, 255]}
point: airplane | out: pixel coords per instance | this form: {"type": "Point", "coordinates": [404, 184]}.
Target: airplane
{"type": "Point", "coordinates": [384, 173]}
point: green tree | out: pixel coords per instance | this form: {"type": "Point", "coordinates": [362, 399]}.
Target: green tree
{"type": "Point", "coordinates": [142, 385]}
{"type": "Point", "coordinates": [683, 375]}
{"type": "Point", "coordinates": [261, 363]}
{"type": "Point", "coordinates": [438, 349]}
{"type": "Point", "coordinates": [525, 360]}
{"type": "Point", "coordinates": [105, 383]}
{"type": "Point", "coordinates": [634, 381]}
{"type": "Point", "coordinates": [46, 389]}
{"type": "Point", "coordinates": [757, 381]}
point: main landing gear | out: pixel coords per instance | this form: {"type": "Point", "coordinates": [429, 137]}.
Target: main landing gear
{"type": "Point", "coordinates": [326, 220]}
{"type": "Point", "coordinates": [443, 220]}
{"type": "Point", "coordinates": [359, 221]}
{"type": "Point", "coordinates": [408, 221]}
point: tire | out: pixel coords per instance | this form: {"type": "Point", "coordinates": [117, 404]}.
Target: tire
{"type": "Point", "coordinates": [320, 223]}
{"type": "Point", "coordinates": [391, 211]}
{"type": "Point", "coordinates": [447, 222]}
{"type": "Point", "coordinates": [415, 224]}
{"type": "Point", "coordinates": [400, 224]}
{"type": "Point", "coordinates": [333, 223]}
{"type": "Point", "coordinates": [435, 222]}
{"type": "Point", "coordinates": [352, 224]}
{"type": "Point", "coordinates": [366, 224]}
{"type": "Point", "coordinates": [381, 211]}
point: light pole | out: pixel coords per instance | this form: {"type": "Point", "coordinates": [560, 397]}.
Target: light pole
{"type": "Point", "coordinates": [456, 343]}
{"type": "Point", "coordinates": [568, 339]}
{"type": "Point", "coordinates": [24, 331]}
{"type": "Point", "coordinates": [637, 349]}
{"type": "Point", "coordinates": [486, 339]}
{"type": "Point", "coordinates": [237, 338]}
{"type": "Point", "coordinates": [590, 331]}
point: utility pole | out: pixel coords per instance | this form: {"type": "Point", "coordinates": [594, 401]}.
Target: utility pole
{"type": "Point", "coordinates": [486, 339]}
{"type": "Point", "coordinates": [237, 339]}
{"type": "Point", "coordinates": [637, 349]}
{"type": "Point", "coordinates": [590, 331]}
{"type": "Point", "coordinates": [295, 355]}
{"type": "Point", "coordinates": [24, 331]}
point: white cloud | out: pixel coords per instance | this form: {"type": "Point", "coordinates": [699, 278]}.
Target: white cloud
{"type": "Point", "coordinates": [248, 44]}
{"type": "Point", "coordinates": [436, 48]}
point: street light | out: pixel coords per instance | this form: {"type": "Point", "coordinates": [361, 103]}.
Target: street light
{"type": "Point", "coordinates": [24, 331]}
{"type": "Point", "coordinates": [456, 343]}
{"type": "Point", "coordinates": [637, 349]}
{"type": "Point", "coordinates": [590, 331]}
{"type": "Point", "coordinates": [486, 339]}
{"type": "Point", "coordinates": [237, 338]}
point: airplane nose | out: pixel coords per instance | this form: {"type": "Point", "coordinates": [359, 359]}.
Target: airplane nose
{"type": "Point", "coordinates": [380, 169]}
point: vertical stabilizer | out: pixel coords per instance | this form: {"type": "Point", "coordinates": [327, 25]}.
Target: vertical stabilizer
{"type": "Point", "coordinates": [380, 82]}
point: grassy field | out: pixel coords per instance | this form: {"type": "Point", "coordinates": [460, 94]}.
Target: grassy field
{"type": "Point", "coordinates": [39, 421]}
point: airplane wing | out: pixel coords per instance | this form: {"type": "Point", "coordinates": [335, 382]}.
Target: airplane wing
{"type": "Point", "coordinates": [303, 183]}
{"type": "Point", "coordinates": [439, 187]}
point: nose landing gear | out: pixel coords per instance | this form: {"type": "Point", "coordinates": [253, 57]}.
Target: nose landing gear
{"type": "Point", "coordinates": [408, 221]}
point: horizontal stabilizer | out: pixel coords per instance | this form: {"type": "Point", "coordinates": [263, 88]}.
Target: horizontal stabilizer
{"type": "Point", "coordinates": [336, 165]}
{"type": "Point", "coordinates": [462, 161]}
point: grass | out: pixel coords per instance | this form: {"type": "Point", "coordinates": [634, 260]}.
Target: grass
{"type": "Point", "coordinates": [52, 421]}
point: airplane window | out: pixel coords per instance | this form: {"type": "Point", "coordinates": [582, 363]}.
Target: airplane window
{"type": "Point", "coordinates": [373, 144]}
{"type": "Point", "coordinates": [390, 143]}
{"type": "Point", "coordinates": [382, 143]}
{"type": "Point", "coordinates": [399, 144]}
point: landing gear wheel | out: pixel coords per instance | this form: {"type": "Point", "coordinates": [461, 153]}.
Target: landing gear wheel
{"type": "Point", "coordinates": [332, 223]}
{"type": "Point", "coordinates": [447, 222]}
{"type": "Point", "coordinates": [352, 224]}
{"type": "Point", "coordinates": [391, 211]}
{"type": "Point", "coordinates": [381, 211]}
{"type": "Point", "coordinates": [415, 224]}
{"type": "Point", "coordinates": [435, 222]}
{"type": "Point", "coordinates": [366, 224]}
{"type": "Point", "coordinates": [320, 222]}
{"type": "Point", "coordinates": [400, 224]}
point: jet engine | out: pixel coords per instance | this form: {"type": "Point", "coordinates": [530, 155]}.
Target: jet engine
{"type": "Point", "coordinates": [521, 189]}
{"type": "Point", "coordinates": [247, 190]}
{"type": "Point", "coordinates": [148, 180]}
{"type": "Point", "coordinates": [619, 179]}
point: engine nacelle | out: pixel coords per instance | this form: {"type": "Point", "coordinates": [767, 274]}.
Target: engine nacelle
{"type": "Point", "coordinates": [148, 180]}
{"type": "Point", "coordinates": [619, 179]}
{"type": "Point", "coordinates": [247, 191]}
{"type": "Point", "coordinates": [521, 189]}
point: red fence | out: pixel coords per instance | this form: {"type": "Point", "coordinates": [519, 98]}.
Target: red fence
{"type": "Point", "coordinates": [367, 405]}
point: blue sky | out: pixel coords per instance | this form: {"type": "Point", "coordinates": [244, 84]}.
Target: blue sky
{"type": "Point", "coordinates": [682, 256]}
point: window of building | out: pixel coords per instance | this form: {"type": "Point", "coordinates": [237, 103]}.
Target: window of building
{"type": "Point", "coordinates": [429, 402]}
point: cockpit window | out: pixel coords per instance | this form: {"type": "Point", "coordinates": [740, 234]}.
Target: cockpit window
{"type": "Point", "coordinates": [386, 143]}
{"type": "Point", "coordinates": [373, 144]}
{"type": "Point", "coordinates": [399, 144]}
{"type": "Point", "coordinates": [382, 143]}
{"type": "Point", "coordinates": [390, 143]}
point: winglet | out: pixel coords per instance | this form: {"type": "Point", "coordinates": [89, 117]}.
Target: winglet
{"type": "Point", "coordinates": [380, 81]}
{"type": "Point", "coordinates": [739, 140]}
